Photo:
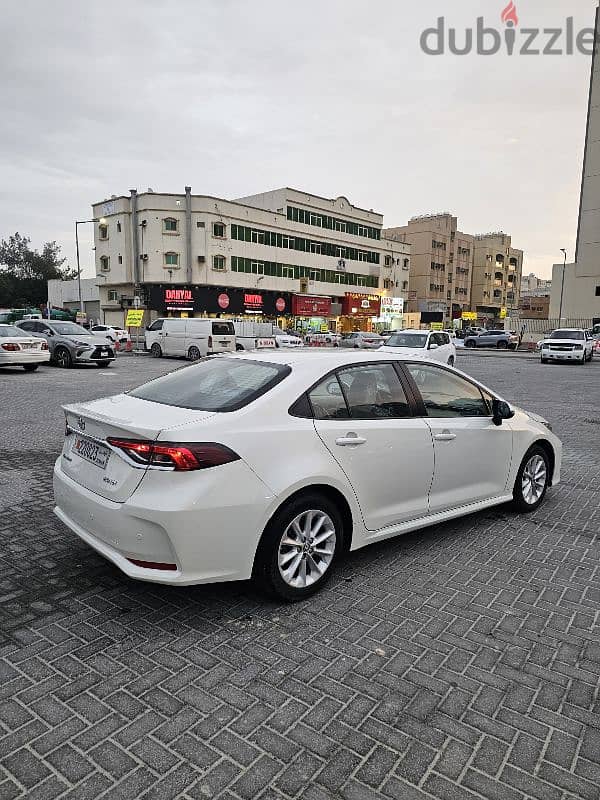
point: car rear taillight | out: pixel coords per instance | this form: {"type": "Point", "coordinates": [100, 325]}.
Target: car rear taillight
{"type": "Point", "coordinates": [183, 457]}
{"type": "Point", "coordinates": [44, 345]}
{"type": "Point", "coordinates": [210, 342]}
{"type": "Point", "coordinates": [10, 346]}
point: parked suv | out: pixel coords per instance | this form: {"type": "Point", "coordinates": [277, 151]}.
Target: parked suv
{"type": "Point", "coordinates": [568, 344]}
{"type": "Point", "coordinates": [69, 343]}
{"type": "Point", "coordinates": [500, 339]}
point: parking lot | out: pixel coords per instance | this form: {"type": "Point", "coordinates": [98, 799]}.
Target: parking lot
{"type": "Point", "coordinates": [459, 662]}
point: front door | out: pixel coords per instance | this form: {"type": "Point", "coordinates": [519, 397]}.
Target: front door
{"type": "Point", "coordinates": [363, 417]}
{"type": "Point", "coordinates": [472, 455]}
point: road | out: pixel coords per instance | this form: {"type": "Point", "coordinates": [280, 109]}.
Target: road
{"type": "Point", "coordinates": [459, 662]}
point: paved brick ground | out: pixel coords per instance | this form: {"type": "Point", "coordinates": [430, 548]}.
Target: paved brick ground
{"type": "Point", "coordinates": [461, 662]}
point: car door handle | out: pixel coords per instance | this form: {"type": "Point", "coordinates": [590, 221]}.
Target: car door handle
{"type": "Point", "coordinates": [444, 436]}
{"type": "Point", "coordinates": [350, 440]}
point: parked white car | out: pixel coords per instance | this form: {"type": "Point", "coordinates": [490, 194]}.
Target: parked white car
{"type": "Point", "coordinates": [326, 338]}
{"type": "Point", "coordinates": [360, 340]}
{"type": "Point", "coordinates": [19, 349]}
{"type": "Point", "coordinates": [284, 339]}
{"type": "Point", "coordinates": [273, 464]}
{"type": "Point", "coordinates": [568, 344]}
{"type": "Point", "coordinates": [436, 345]}
{"type": "Point", "coordinates": [112, 333]}
{"type": "Point", "coordinates": [191, 338]}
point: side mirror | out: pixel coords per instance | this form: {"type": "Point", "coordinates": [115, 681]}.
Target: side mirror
{"type": "Point", "coordinates": [500, 411]}
{"type": "Point", "coordinates": [48, 332]}
{"type": "Point", "coordinates": [433, 346]}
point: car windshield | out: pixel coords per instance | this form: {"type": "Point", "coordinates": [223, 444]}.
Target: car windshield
{"type": "Point", "coordinates": [407, 340]}
{"type": "Point", "coordinates": [564, 334]}
{"type": "Point", "coordinates": [214, 384]}
{"type": "Point", "coordinates": [11, 330]}
{"type": "Point", "coordinates": [69, 329]}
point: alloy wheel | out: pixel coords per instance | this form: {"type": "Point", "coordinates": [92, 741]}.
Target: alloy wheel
{"type": "Point", "coordinates": [533, 481]}
{"type": "Point", "coordinates": [306, 548]}
{"type": "Point", "coordinates": [63, 358]}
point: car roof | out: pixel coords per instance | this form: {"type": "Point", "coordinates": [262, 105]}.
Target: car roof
{"type": "Point", "coordinates": [415, 330]}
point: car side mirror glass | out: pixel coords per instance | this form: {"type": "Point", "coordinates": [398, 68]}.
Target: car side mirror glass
{"type": "Point", "coordinates": [48, 332]}
{"type": "Point", "coordinates": [501, 411]}
{"type": "Point", "coordinates": [433, 346]}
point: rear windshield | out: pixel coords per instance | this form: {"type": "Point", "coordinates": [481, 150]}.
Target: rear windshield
{"type": "Point", "coordinates": [223, 329]}
{"type": "Point", "coordinates": [11, 330]}
{"type": "Point", "coordinates": [407, 340]}
{"type": "Point", "coordinates": [214, 384]}
{"type": "Point", "coordinates": [567, 335]}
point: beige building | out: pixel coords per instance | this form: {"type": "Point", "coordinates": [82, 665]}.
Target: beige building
{"type": "Point", "coordinates": [576, 286]}
{"type": "Point", "coordinates": [532, 286]}
{"type": "Point", "coordinates": [195, 255]}
{"type": "Point", "coordinates": [496, 283]}
{"type": "Point", "coordinates": [441, 264]}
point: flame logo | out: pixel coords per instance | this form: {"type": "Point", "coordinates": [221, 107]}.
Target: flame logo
{"type": "Point", "coordinates": [509, 14]}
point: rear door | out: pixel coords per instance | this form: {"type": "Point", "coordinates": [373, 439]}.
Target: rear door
{"type": "Point", "coordinates": [223, 337]}
{"type": "Point", "coordinates": [363, 416]}
{"type": "Point", "coordinates": [472, 455]}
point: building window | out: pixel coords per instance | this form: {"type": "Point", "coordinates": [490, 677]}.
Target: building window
{"type": "Point", "coordinates": [120, 259]}
{"type": "Point", "coordinates": [406, 264]}
{"type": "Point", "coordinates": [103, 232]}
{"type": "Point", "coordinates": [112, 296]}
{"type": "Point", "coordinates": [287, 272]}
{"type": "Point", "coordinates": [315, 247]}
{"type": "Point", "coordinates": [219, 263]}
{"type": "Point", "coordinates": [118, 227]}
{"type": "Point", "coordinates": [597, 291]}
{"type": "Point", "coordinates": [170, 225]}
{"type": "Point", "coordinates": [218, 230]}
{"type": "Point", "coordinates": [172, 259]}
{"type": "Point", "coordinates": [104, 263]}
{"type": "Point", "coordinates": [387, 261]}
{"type": "Point", "coordinates": [257, 268]}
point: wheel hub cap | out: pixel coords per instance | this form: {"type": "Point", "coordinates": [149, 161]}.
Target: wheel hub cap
{"type": "Point", "coordinates": [534, 479]}
{"type": "Point", "coordinates": [306, 548]}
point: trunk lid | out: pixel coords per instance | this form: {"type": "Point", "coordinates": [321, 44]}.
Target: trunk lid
{"type": "Point", "coordinates": [90, 461]}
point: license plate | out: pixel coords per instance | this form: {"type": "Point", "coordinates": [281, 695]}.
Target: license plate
{"type": "Point", "coordinates": [224, 343]}
{"type": "Point", "coordinates": [27, 345]}
{"type": "Point", "coordinates": [104, 352]}
{"type": "Point", "coordinates": [91, 451]}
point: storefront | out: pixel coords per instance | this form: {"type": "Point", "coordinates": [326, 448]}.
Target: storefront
{"type": "Point", "coordinates": [391, 315]}
{"type": "Point", "coordinates": [311, 313]}
{"type": "Point", "coordinates": [359, 311]}
{"type": "Point", "coordinates": [198, 301]}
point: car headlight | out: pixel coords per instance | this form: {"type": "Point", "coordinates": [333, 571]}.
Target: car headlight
{"type": "Point", "coordinates": [578, 347]}
{"type": "Point", "coordinates": [545, 346]}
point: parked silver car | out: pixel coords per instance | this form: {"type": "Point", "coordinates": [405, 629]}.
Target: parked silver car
{"type": "Point", "coordinates": [69, 343]}
{"type": "Point", "coordinates": [362, 340]}
{"type": "Point", "coordinates": [500, 339]}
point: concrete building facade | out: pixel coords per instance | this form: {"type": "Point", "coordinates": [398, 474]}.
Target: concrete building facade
{"type": "Point", "coordinates": [65, 294]}
{"type": "Point", "coordinates": [496, 284]}
{"type": "Point", "coordinates": [200, 255]}
{"type": "Point", "coordinates": [441, 264]}
{"type": "Point", "coordinates": [532, 286]}
{"type": "Point", "coordinates": [576, 286]}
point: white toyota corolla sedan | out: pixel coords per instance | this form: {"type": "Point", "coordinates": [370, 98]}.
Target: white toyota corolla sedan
{"type": "Point", "coordinates": [272, 464]}
{"type": "Point", "coordinates": [17, 349]}
{"type": "Point", "coordinates": [436, 345]}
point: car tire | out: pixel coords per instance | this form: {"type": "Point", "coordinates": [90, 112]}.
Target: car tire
{"type": "Point", "coordinates": [103, 364]}
{"type": "Point", "coordinates": [238, 347]}
{"type": "Point", "coordinates": [63, 358]}
{"type": "Point", "coordinates": [274, 557]}
{"type": "Point", "coordinates": [194, 354]}
{"type": "Point", "coordinates": [529, 492]}
{"type": "Point", "coordinates": [30, 367]}
{"type": "Point", "coordinates": [502, 345]}
{"type": "Point", "coordinates": [155, 350]}
{"type": "Point", "coordinates": [450, 361]}
{"type": "Point", "coordinates": [469, 344]}
{"type": "Point", "coordinates": [543, 360]}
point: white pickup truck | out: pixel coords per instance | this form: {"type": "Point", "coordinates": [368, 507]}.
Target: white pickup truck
{"type": "Point", "coordinates": [567, 344]}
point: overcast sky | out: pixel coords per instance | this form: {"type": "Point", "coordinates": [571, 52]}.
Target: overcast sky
{"type": "Point", "coordinates": [334, 97]}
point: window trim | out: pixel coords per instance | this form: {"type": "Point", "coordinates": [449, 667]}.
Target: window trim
{"type": "Point", "coordinates": [420, 403]}
{"type": "Point", "coordinates": [219, 235]}
{"type": "Point", "coordinates": [165, 230]}
{"type": "Point", "coordinates": [166, 264]}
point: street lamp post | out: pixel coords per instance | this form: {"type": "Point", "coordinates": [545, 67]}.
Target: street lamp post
{"type": "Point", "coordinates": [77, 224]}
{"type": "Point", "coordinates": [562, 284]}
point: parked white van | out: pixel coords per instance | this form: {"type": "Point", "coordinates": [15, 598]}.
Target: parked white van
{"type": "Point", "coordinates": [189, 338]}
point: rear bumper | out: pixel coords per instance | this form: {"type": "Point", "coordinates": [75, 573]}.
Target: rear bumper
{"type": "Point", "coordinates": [23, 358]}
{"type": "Point", "coordinates": [196, 521]}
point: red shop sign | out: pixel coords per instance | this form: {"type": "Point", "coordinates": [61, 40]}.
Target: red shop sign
{"type": "Point", "coordinates": [253, 302]}
{"type": "Point", "coordinates": [305, 306]}
{"type": "Point", "coordinates": [361, 305]}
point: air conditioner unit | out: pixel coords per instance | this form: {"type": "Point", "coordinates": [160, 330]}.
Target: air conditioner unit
{"type": "Point", "coordinates": [201, 259]}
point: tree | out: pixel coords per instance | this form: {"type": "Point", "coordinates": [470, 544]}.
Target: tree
{"type": "Point", "coordinates": [24, 272]}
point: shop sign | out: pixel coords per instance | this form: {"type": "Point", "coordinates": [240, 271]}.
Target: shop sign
{"type": "Point", "coordinates": [392, 306]}
{"type": "Point", "coordinates": [304, 305]}
{"type": "Point", "coordinates": [179, 299]}
{"type": "Point", "coordinates": [361, 305]}
{"type": "Point", "coordinates": [214, 300]}
{"type": "Point", "coordinates": [469, 315]}
{"type": "Point", "coordinates": [503, 313]}
{"type": "Point", "coordinates": [437, 326]}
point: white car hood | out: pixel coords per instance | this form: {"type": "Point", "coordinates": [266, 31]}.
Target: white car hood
{"type": "Point", "coordinates": [418, 352]}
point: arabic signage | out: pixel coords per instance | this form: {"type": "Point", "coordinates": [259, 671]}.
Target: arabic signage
{"type": "Point", "coordinates": [469, 315]}
{"type": "Point", "coordinates": [215, 300]}
{"type": "Point", "coordinates": [392, 306]}
{"type": "Point", "coordinates": [305, 306]}
{"type": "Point", "coordinates": [361, 305]}
{"type": "Point", "coordinates": [134, 318]}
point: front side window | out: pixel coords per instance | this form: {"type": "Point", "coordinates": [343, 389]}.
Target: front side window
{"type": "Point", "coordinates": [69, 329]}
{"type": "Point", "coordinates": [170, 225]}
{"type": "Point", "coordinates": [448, 395]}
{"type": "Point", "coordinates": [156, 325]}
{"type": "Point", "coordinates": [172, 259]}
{"type": "Point", "coordinates": [214, 384]}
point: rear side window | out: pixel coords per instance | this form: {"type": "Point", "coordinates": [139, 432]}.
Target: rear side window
{"type": "Point", "coordinates": [223, 329]}
{"type": "Point", "coordinates": [327, 399]}
{"type": "Point", "coordinates": [214, 384]}
{"type": "Point", "coordinates": [374, 391]}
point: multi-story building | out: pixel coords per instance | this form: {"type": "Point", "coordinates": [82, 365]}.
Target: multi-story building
{"type": "Point", "coordinates": [496, 284]}
{"type": "Point", "coordinates": [279, 254]}
{"type": "Point", "coordinates": [441, 259]}
{"type": "Point", "coordinates": [532, 286]}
